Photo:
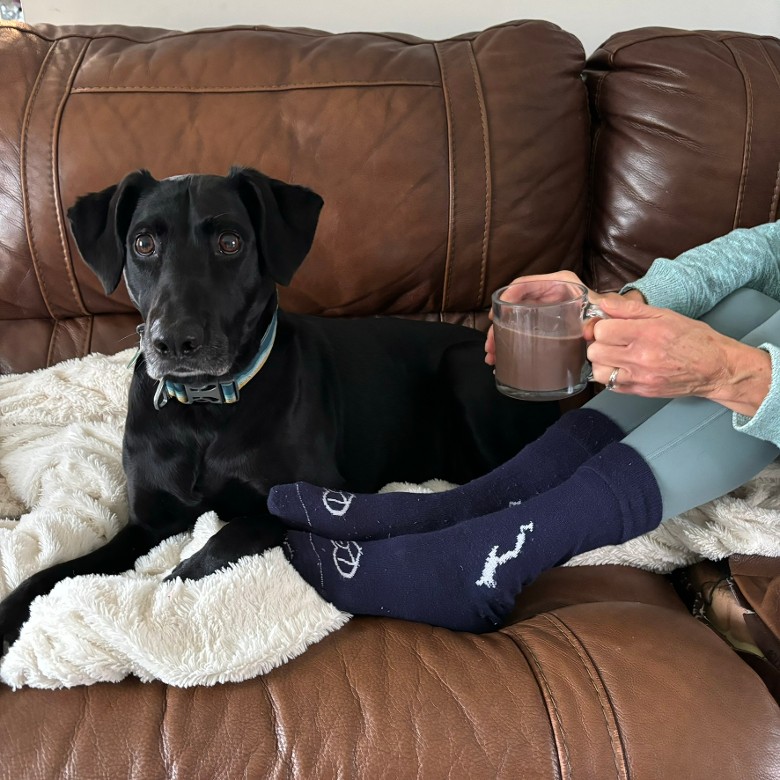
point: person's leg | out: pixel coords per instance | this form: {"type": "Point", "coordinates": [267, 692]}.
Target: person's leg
{"type": "Point", "coordinates": [465, 576]}
{"type": "Point", "coordinates": [541, 465]}
{"type": "Point", "coordinates": [693, 449]}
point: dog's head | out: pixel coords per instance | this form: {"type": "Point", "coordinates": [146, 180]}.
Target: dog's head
{"type": "Point", "coordinates": [201, 256]}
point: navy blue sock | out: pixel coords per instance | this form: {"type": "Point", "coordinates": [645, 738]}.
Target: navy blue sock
{"type": "Point", "coordinates": [466, 576]}
{"type": "Point", "coordinates": [542, 464]}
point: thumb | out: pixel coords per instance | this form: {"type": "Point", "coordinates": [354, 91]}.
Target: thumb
{"type": "Point", "coordinates": [619, 308]}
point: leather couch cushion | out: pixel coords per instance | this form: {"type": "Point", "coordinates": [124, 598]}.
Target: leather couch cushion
{"type": "Point", "coordinates": [569, 585]}
{"type": "Point", "coordinates": [686, 145]}
{"type": "Point", "coordinates": [594, 690]}
{"type": "Point", "coordinates": [447, 168]}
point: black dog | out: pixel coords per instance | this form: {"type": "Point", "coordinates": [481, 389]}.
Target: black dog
{"type": "Point", "coordinates": [231, 396]}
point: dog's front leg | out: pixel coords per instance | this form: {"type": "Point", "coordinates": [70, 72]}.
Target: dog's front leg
{"type": "Point", "coordinates": [155, 515]}
{"type": "Point", "coordinates": [241, 536]}
{"type": "Point", "coordinates": [116, 556]}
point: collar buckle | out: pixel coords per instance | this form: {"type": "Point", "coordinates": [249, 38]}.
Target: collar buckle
{"type": "Point", "coordinates": [217, 393]}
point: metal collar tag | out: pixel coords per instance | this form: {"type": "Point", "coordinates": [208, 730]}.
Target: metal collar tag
{"type": "Point", "coordinates": [160, 395]}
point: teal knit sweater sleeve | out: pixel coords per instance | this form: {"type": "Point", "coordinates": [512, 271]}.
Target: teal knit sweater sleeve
{"type": "Point", "coordinates": [701, 277]}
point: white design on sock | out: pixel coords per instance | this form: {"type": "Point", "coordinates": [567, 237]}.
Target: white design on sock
{"type": "Point", "coordinates": [516, 503]}
{"type": "Point", "coordinates": [336, 501]}
{"type": "Point", "coordinates": [311, 538]}
{"type": "Point", "coordinates": [494, 561]}
{"type": "Point", "coordinates": [346, 557]}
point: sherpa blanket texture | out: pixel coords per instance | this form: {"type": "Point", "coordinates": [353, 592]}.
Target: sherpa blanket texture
{"type": "Point", "coordinates": [62, 494]}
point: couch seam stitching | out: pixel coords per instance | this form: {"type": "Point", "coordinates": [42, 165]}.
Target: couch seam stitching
{"type": "Point", "coordinates": [591, 266]}
{"type": "Point", "coordinates": [600, 691]}
{"type": "Point", "coordinates": [275, 726]}
{"type": "Point", "coordinates": [452, 177]}
{"type": "Point", "coordinates": [775, 197]}
{"type": "Point", "coordinates": [87, 344]}
{"type": "Point", "coordinates": [54, 154]}
{"type": "Point", "coordinates": [250, 87]}
{"type": "Point", "coordinates": [25, 186]}
{"type": "Point", "coordinates": [488, 180]}
{"type": "Point", "coordinates": [748, 140]}
{"type": "Point", "coordinates": [53, 341]}
{"type": "Point", "coordinates": [562, 749]}
{"type": "Point", "coordinates": [769, 62]}
{"type": "Point", "coordinates": [773, 205]}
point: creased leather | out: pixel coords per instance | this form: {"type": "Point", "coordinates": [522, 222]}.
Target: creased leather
{"type": "Point", "coordinates": [685, 148]}
{"type": "Point", "coordinates": [447, 170]}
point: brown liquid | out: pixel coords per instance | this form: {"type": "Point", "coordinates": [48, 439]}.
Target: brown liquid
{"type": "Point", "coordinates": [537, 363]}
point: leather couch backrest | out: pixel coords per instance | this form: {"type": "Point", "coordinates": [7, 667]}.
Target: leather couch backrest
{"type": "Point", "coordinates": [686, 129]}
{"type": "Point", "coordinates": [446, 168]}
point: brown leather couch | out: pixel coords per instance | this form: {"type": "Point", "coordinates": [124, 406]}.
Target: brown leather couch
{"type": "Point", "coordinates": [447, 169]}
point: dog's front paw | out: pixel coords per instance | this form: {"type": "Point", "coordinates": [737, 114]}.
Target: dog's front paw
{"type": "Point", "coordinates": [240, 537]}
{"type": "Point", "coordinates": [15, 607]}
{"type": "Point", "coordinates": [195, 567]}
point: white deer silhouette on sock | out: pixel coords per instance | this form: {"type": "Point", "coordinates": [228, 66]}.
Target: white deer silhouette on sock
{"type": "Point", "coordinates": [493, 561]}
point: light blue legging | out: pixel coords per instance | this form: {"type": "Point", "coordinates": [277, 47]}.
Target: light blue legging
{"type": "Point", "coordinates": [690, 443]}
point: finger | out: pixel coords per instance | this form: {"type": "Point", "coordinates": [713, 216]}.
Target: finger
{"type": "Point", "coordinates": [635, 379]}
{"type": "Point", "coordinates": [601, 373]}
{"type": "Point", "coordinates": [625, 383]}
{"type": "Point", "coordinates": [602, 354]}
{"type": "Point", "coordinates": [615, 332]}
{"type": "Point", "coordinates": [559, 276]}
{"type": "Point", "coordinates": [537, 286]}
{"type": "Point", "coordinates": [620, 307]}
{"type": "Point", "coordinates": [587, 329]}
{"type": "Point", "coordinates": [530, 290]}
{"type": "Point", "coordinates": [490, 347]}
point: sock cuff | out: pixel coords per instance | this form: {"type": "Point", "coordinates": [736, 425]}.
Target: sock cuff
{"type": "Point", "coordinates": [629, 477]}
{"type": "Point", "coordinates": [591, 429]}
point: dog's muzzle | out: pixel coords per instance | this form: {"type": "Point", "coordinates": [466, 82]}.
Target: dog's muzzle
{"type": "Point", "coordinates": [223, 392]}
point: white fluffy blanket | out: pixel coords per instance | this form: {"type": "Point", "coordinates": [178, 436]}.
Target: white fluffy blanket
{"type": "Point", "coordinates": [62, 492]}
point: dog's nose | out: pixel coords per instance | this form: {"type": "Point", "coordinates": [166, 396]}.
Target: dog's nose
{"type": "Point", "coordinates": [180, 340]}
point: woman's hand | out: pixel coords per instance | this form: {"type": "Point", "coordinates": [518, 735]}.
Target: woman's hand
{"type": "Point", "coordinates": [663, 354]}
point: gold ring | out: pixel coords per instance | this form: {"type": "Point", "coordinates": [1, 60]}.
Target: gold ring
{"type": "Point", "coordinates": [611, 382]}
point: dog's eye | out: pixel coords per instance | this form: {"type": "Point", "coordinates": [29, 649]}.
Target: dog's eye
{"type": "Point", "coordinates": [144, 244]}
{"type": "Point", "coordinates": [229, 243]}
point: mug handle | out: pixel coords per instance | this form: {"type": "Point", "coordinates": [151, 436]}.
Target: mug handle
{"type": "Point", "coordinates": [589, 312]}
{"type": "Point", "coordinates": [592, 310]}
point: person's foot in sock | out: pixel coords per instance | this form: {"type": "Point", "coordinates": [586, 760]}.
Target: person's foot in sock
{"type": "Point", "coordinates": [465, 577]}
{"type": "Point", "coordinates": [539, 466]}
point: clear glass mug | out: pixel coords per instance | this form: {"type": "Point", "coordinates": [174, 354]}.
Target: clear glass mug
{"type": "Point", "coordinates": [540, 348]}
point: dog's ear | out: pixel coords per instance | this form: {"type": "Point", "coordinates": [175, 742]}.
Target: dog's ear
{"type": "Point", "coordinates": [284, 217]}
{"type": "Point", "coordinates": [100, 222]}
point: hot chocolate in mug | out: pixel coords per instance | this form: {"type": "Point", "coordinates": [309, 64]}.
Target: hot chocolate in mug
{"type": "Point", "coordinates": [540, 348]}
